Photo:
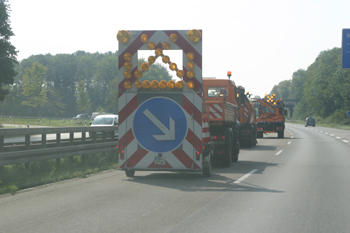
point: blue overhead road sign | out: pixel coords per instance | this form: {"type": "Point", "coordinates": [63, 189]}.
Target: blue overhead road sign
{"type": "Point", "coordinates": [346, 49]}
{"type": "Point", "coordinates": [160, 124]}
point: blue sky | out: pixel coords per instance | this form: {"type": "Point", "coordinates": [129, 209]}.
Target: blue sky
{"type": "Point", "coordinates": [261, 42]}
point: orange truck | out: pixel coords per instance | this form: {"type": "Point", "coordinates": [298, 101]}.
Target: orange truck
{"type": "Point", "coordinates": [247, 119]}
{"type": "Point", "coordinates": [220, 105]}
{"type": "Point", "coordinates": [271, 116]}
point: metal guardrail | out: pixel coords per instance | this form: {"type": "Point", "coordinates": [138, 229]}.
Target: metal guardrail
{"type": "Point", "coordinates": [75, 143]}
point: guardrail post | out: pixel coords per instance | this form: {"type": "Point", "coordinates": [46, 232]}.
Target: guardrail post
{"type": "Point", "coordinates": [2, 143]}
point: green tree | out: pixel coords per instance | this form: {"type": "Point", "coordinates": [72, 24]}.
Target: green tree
{"type": "Point", "coordinates": [34, 87]}
{"type": "Point", "coordinates": [7, 51]}
{"type": "Point", "coordinates": [83, 101]}
{"type": "Point", "coordinates": [112, 96]}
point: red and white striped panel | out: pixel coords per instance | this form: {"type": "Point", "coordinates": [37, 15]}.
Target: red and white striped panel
{"type": "Point", "coordinates": [216, 111]}
{"type": "Point", "coordinates": [205, 130]}
{"type": "Point", "coordinates": [184, 158]}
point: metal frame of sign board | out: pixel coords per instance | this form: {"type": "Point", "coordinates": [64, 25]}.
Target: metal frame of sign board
{"type": "Point", "coordinates": [345, 48]}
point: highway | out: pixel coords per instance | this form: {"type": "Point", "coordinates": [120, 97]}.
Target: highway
{"type": "Point", "coordinates": [297, 184]}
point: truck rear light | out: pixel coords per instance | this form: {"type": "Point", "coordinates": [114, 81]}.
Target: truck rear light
{"type": "Point", "coordinates": [198, 155]}
{"type": "Point", "coordinates": [121, 154]}
{"type": "Point", "coordinates": [220, 137]}
{"type": "Point", "coordinates": [279, 128]}
{"type": "Point", "coordinates": [259, 128]}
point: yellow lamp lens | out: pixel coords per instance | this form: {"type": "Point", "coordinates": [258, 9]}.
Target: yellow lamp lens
{"type": "Point", "coordinates": [190, 65]}
{"type": "Point", "coordinates": [144, 38]}
{"type": "Point", "coordinates": [162, 84]}
{"type": "Point", "coordinates": [146, 84]}
{"type": "Point", "coordinates": [151, 46]}
{"type": "Point", "coordinates": [190, 85]}
{"type": "Point", "coordinates": [173, 66]}
{"type": "Point", "coordinates": [154, 84]}
{"type": "Point", "coordinates": [127, 56]}
{"type": "Point", "coordinates": [158, 52]}
{"type": "Point", "coordinates": [127, 74]}
{"type": "Point", "coordinates": [194, 35]}
{"type": "Point", "coordinates": [144, 66]}
{"type": "Point", "coordinates": [190, 56]}
{"type": "Point", "coordinates": [166, 45]}
{"type": "Point", "coordinates": [151, 59]}
{"type": "Point", "coordinates": [173, 38]}
{"type": "Point", "coordinates": [127, 85]}
{"type": "Point", "coordinates": [179, 84]}
{"type": "Point", "coordinates": [127, 65]}
{"type": "Point", "coordinates": [166, 59]}
{"type": "Point", "coordinates": [138, 84]}
{"type": "Point", "coordinates": [123, 36]}
{"type": "Point", "coordinates": [138, 73]}
{"type": "Point", "coordinates": [171, 84]}
{"type": "Point", "coordinates": [190, 74]}
{"type": "Point", "coordinates": [180, 73]}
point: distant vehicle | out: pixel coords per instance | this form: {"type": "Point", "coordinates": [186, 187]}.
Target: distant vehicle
{"type": "Point", "coordinates": [95, 114]}
{"type": "Point", "coordinates": [82, 117]}
{"type": "Point", "coordinates": [310, 121]}
{"type": "Point", "coordinates": [105, 120]}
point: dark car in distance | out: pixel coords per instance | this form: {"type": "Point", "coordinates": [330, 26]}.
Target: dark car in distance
{"type": "Point", "coordinates": [310, 121]}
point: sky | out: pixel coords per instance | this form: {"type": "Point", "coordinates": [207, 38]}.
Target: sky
{"type": "Point", "coordinates": [262, 42]}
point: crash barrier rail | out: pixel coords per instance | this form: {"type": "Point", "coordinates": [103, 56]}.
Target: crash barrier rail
{"type": "Point", "coordinates": [24, 145]}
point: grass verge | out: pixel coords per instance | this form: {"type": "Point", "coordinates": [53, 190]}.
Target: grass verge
{"type": "Point", "coordinates": [19, 176]}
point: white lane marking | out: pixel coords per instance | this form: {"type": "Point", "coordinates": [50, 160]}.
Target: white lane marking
{"type": "Point", "coordinates": [321, 131]}
{"type": "Point", "coordinates": [338, 138]}
{"type": "Point", "coordinates": [345, 141]}
{"type": "Point", "coordinates": [245, 176]}
{"type": "Point", "coordinates": [291, 137]}
{"type": "Point", "coordinates": [316, 130]}
{"type": "Point", "coordinates": [289, 142]}
{"type": "Point", "coordinates": [332, 135]}
{"type": "Point", "coordinates": [325, 133]}
{"type": "Point", "coordinates": [279, 152]}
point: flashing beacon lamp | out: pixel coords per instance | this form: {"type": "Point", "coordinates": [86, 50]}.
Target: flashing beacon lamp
{"type": "Point", "coordinates": [229, 75]}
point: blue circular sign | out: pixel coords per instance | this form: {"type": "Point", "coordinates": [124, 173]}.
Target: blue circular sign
{"type": "Point", "coordinates": [160, 124]}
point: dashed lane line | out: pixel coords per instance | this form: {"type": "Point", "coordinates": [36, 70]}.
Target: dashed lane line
{"type": "Point", "coordinates": [279, 152]}
{"type": "Point", "coordinates": [245, 176]}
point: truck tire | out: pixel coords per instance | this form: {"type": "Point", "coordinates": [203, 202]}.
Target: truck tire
{"type": "Point", "coordinates": [227, 158]}
{"type": "Point", "coordinates": [129, 173]}
{"type": "Point", "coordinates": [259, 134]}
{"type": "Point", "coordinates": [208, 170]}
{"type": "Point", "coordinates": [254, 136]}
{"type": "Point", "coordinates": [281, 134]}
{"type": "Point", "coordinates": [235, 153]}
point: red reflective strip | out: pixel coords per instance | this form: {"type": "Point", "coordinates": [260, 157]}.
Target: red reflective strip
{"type": "Point", "coordinates": [184, 159]}
{"type": "Point", "coordinates": [186, 47]}
{"type": "Point", "coordinates": [190, 108]}
{"type": "Point", "coordinates": [135, 158]}
{"type": "Point", "coordinates": [217, 111]}
{"type": "Point", "coordinates": [193, 139]}
{"type": "Point", "coordinates": [129, 108]}
{"type": "Point", "coordinates": [125, 140]}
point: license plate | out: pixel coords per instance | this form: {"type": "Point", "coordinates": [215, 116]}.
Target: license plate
{"type": "Point", "coordinates": [159, 161]}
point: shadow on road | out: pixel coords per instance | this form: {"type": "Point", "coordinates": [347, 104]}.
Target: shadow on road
{"type": "Point", "coordinates": [195, 182]}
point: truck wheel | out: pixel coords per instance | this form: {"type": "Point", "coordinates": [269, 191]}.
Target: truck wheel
{"type": "Point", "coordinates": [227, 159]}
{"type": "Point", "coordinates": [281, 134]}
{"type": "Point", "coordinates": [207, 170]}
{"type": "Point", "coordinates": [129, 173]}
{"type": "Point", "coordinates": [260, 135]}
{"type": "Point", "coordinates": [235, 153]}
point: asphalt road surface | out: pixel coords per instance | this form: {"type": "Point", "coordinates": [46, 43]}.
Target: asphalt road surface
{"type": "Point", "coordinates": [297, 184]}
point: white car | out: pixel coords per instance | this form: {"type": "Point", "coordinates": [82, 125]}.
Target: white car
{"type": "Point", "coordinates": [105, 120]}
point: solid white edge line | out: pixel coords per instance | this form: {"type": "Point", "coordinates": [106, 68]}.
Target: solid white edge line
{"type": "Point", "coordinates": [279, 152]}
{"type": "Point", "coordinates": [245, 176]}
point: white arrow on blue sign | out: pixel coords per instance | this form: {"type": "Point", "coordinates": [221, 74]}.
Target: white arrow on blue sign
{"type": "Point", "coordinates": [160, 124]}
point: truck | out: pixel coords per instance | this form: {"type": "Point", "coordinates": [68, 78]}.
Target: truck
{"type": "Point", "coordinates": [221, 106]}
{"type": "Point", "coordinates": [162, 125]}
{"type": "Point", "coordinates": [271, 116]}
{"type": "Point", "coordinates": [247, 118]}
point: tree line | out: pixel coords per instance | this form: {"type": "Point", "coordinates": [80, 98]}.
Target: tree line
{"type": "Point", "coordinates": [64, 85]}
{"type": "Point", "coordinates": [322, 90]}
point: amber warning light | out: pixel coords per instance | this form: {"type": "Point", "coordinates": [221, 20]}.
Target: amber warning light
{"type": "Point", "coordinates": [229, 74]}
